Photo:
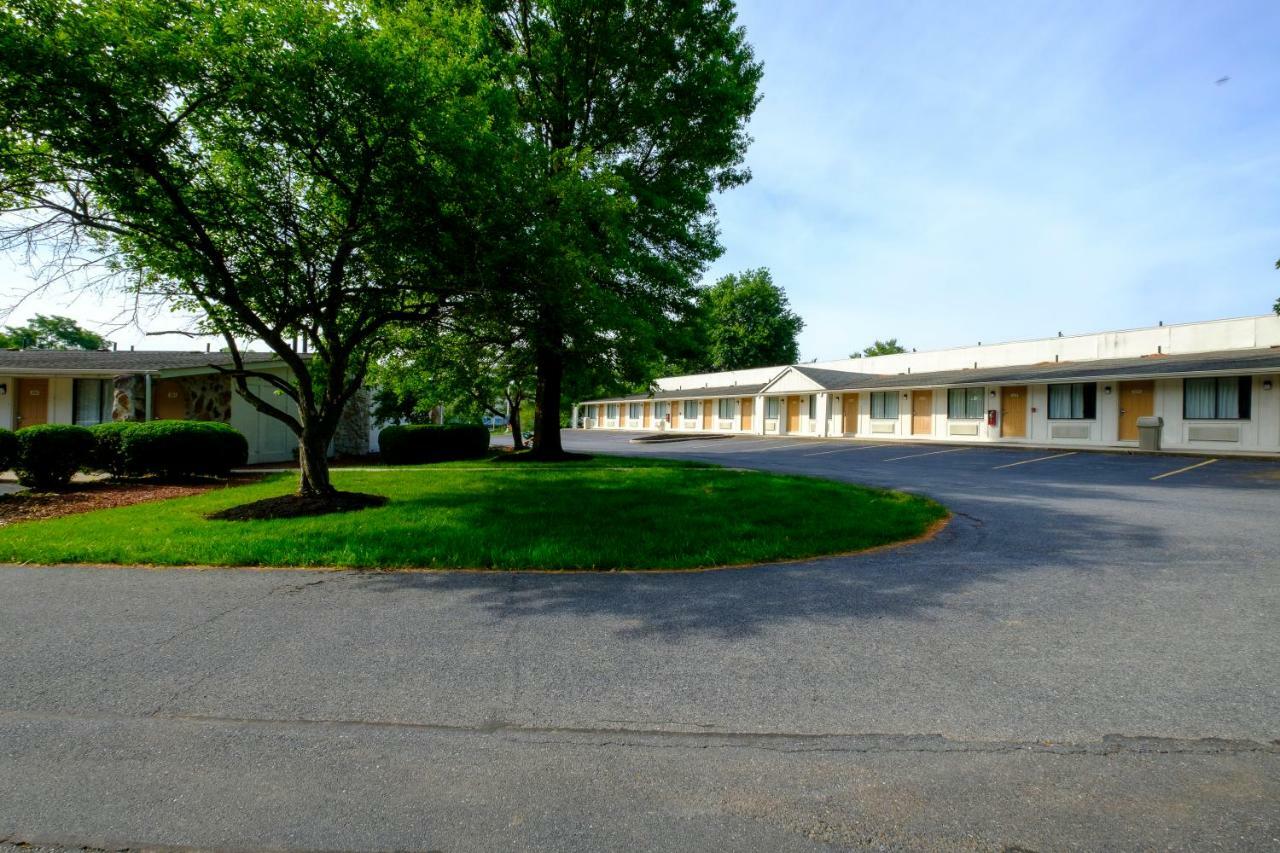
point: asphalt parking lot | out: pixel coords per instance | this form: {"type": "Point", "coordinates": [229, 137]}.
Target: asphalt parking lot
{"type": "Point", "coordinates": [915, 465]}
{"type": "Point", "coordinates": [1087, 657]}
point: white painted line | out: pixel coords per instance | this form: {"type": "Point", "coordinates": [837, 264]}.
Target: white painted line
{"type": "Point", "coordinates": [1037, 459]}
{"type": "Point", "coordinates": [736, 443]}
{"type": "Point", "coordinates": [930, 453]}
{"type": "Point", "coordinates": [1184, 470]}
{"type": "Point", "coordinates": [779, 447]}
{"type": "Point", "coordinates": [701, 442]}
{"type": "Point", "coordinates": [842, 449]}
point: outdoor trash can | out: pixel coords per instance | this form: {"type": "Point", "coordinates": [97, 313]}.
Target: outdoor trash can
{"type": "Point", "coordinates": [1149, 432]}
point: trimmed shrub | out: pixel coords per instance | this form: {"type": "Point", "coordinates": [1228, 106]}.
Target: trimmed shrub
{"type": "Point", "coordinates": [8, 449]}
{"type": "Point", "coordinates": [48, 454]}
{"type": "Point", "coordinates": [108, 447]}
{"type": "Point", "coordinates": [414, 444]}
{"type": "Point", "coordinates": [177, 449]}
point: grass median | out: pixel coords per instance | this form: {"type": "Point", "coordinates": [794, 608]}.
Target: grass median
{"type": "Point", "coordinates": [608, 513]}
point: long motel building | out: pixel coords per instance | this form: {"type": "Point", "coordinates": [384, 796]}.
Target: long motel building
{"type": "Point", "coordinates": [1208, 386]}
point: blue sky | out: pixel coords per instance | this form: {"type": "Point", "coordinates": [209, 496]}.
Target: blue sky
{"type": "Point", "coordinates": [946, 173]}
{"type": "Point", "coordinates": [953, 172]}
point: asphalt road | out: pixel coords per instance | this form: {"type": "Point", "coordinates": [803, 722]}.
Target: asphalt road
{"type": "Point", "coordinates": [1086, 658]}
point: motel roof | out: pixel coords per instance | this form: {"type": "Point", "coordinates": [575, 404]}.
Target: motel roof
{"type": "Point", "coordinates": [688, 394]}
{"type": "Point", "coordinates": [113, 362]}
{"type": "Point", "coordinates": [1144, 367]}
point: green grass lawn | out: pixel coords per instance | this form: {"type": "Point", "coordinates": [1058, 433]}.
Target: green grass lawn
{"type": "Point", "coordinates": [608, 513]}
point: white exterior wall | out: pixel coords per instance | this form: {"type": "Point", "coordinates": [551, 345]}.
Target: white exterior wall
{"type": "Point", "coordinates": [59, 401]}
{"type": "Point", "coordinates": [1259, 433]}
{"type": "Point", "coordinates": [1244, 333]}
{"type": "Point", "coordinates": [269, 439]}
{"type": "Point", "coordinates": [6, 402]}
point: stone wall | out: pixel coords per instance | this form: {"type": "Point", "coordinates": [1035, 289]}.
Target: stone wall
{"type": "Point", "coordinates": [129, 402]}
{"type": "Point", "coordinates": [208, 397]}
{"type": "Point", "coordinates": [352, 436]}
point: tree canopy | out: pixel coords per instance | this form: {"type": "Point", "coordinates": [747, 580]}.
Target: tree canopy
{"type": "Point", "coordinates": [637, 114]}
{"type": "Point", "coordinates": [289, 169]}
{"type": "Point", "coordinates": [51, 332]}
{"type": "Point", "coordinates": [749, 322]}
{"type": "Point", "coordinates": [886, 347]}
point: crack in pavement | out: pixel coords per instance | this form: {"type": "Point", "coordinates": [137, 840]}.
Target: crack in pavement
{"type": "Point", "coordinates": [281, 589]}
{"type": "Point", "coordinates": [1110, 744]}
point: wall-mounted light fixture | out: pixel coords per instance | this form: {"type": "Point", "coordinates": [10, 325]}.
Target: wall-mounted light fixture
{"type": "Point", "coordinates": [4, 388]}
{"type": "Point", "coordinates": [1106, 389]}
{"type": "Point", "coordinates": [1266, 386]}
{"type": "Point", "coordinates": [993, 395]}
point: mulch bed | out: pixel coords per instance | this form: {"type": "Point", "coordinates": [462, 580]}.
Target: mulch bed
{"type": "Point", "coordinates": [84, 497]}
{"type": "Point", "coordinates": [297, 506]}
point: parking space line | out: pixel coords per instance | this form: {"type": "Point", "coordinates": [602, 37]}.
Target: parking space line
{"type": "Point", "coordinates": [780, 447]}
{"type": "Point", "coordinates": [842, 449]}
{"type": "Point", "coordinates": [930, 453]}
{"type": "Point", "coordinates": [1037, 459]}
{"type": "Point", "coordinates": [684, 445]}
{"type": "Point", "coordinates": [1184, 470]}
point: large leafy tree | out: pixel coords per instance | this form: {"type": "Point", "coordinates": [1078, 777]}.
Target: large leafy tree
{"type": "Point", "coordinates": [289, 169]}
{"type": "Point", "coordinates": [486, 370]}
{"type": "Point", "coordinates": [51, 332]}
{"type": "Point", "coordinates": [749, 322]}
{"type": "Point", "coordinates": [636, 115]}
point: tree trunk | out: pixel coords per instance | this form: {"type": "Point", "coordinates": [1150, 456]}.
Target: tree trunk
{"type": "Point", "coordinates": [546, 405]}
{"type": "Point", "coordinates": [513, 421]}
{"type": "Point", "coordinates": [313, 463]}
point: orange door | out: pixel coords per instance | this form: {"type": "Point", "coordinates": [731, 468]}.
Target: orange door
{"type": "Point", "coordinates": [168, 401]}
{"type": "Point", "coordinates": [33, 402]}
{"type": "Point", "coordinates": [793, 414]}
{"type": "Point", "coordinates": [1137, 400]}
{"type": "Point", "coordinates": [850, 425]}
{"type": "Point", "coordinates": [648, 415]}
{"type": "Point", "coordinates": [1013, 411]}
{"type": "Point", "coordinates": [706, 414]}
{"type": "Point", "coordinates": [922, 413]}
{"type": "Point", "coordinates": [748, 408]}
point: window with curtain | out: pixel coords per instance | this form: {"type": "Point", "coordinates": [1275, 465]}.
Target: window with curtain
{"type": "Point", "coordinates": [771, 407]}
{"type": "Point", "coordinates": [964, 403]}
{"type": "Point", "coordinates": [690, 410]}
{"type": "Point", "coordinates": [724, 408]}
{"type": "Point", "coordinates": [813, 406]}
{"type": "Point", "coordinates": [634, 410]}
{"type": "Point", "coordinates": [884, 404]}
{"type": "Point", "coordinates": [91, 401]}
{"type": "Point", "coordinates": [1222, 398]}
{"type": "Point", "coordinates": [1073, 401]}
{"type": "Point", "coordinates": [612, 410]}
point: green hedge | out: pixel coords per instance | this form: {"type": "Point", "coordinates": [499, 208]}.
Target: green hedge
{"type": "Point", "coordinates": [108, 447]}
{"type": "Point", "coordinates": [48, 454]}
{"type": "Point", "coordinates": [167, 448]}
{"type": "Point", "coordinates": [179, 449]}
{"type": "Point", "coordinates": [8, 449]}
{"type": "Point", "coordinates": [414, 444]}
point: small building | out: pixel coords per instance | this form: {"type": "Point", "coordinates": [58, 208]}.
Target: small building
{"type": "Point", "coordinates": [91, 387]}
{"type": "Point", "coordinates": [1215, 387]}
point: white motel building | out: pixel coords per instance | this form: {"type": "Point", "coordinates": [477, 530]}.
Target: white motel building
{"type": "Point", "coordinates": [1213, 386]}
